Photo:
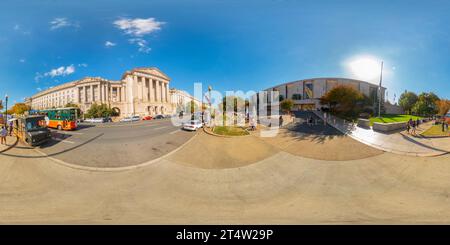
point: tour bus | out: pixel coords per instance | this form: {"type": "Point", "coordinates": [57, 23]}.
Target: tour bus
{"type": "Point", "coordinates": [31, 129]}
{"type": "Point", "coordinates": [61, 118]}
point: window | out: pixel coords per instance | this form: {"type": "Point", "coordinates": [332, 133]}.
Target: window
{"type": "Point", "coordinates": [296, 96]}
{"type": "Point", "coordinates": [308, 90]}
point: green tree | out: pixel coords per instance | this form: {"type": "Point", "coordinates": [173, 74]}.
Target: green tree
{"type": "Point", "coordinates": [226, 106]}
{"type": "Point", "coordinates": [407, 101]}
{"type": "Point", "coordinates": [97, 111]}
{"type": "Point", "coordinates": [345, 101]}
{"type": "Point", "coordinates": [426, 104]}
{"type": "Point", "coordinates": [286, 105]}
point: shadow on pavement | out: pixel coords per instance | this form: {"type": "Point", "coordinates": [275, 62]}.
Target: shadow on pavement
{"type": "Point", "coordinates": [57, 153]}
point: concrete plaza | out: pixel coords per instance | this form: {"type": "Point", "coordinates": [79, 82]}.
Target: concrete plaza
{"type": "Point", "coordinates": [213, 180]}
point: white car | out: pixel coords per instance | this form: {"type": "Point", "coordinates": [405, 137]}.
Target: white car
{"type": "Point", "coordinates": [130, 119]}
{"type": "Point", "coordinates": [192, 125]}
{"type": "Point", "coordinates": [94, 120]}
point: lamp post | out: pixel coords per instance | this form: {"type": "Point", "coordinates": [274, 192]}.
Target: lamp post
{"type": "Point", "coordinates": [6, 109]}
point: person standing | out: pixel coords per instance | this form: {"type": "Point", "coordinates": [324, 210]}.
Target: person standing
{"type": "Point", "coordinates": [408, 127]}
{"type": "Point", "coordinates": [280, 121]}
{"type": "Point", "coordinates": [10, 128]}
{"type": "Point", "coordinates": [3, 134]}
{"type": "Point", "coordinates": [414, 127]}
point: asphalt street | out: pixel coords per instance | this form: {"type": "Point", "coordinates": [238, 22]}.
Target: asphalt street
{"type": "Point", "coordinates": [115, 144]}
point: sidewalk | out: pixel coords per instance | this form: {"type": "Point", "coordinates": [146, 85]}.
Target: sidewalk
{"type": "Point", "coordinates": [397, 142]}
{"type": "Point", "coordinates": [10, 142]}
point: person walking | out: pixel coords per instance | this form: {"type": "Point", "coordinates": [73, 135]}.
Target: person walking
{"type": "Point", "coordinates": [414, 127]}
{"type": "Point", "coordinates": [408, 127]}
{"type": "Point", "coordinates": [410, 123]}
{"type": "Point", "coordinates": [280, 121]}
{"type": "Point", "coordinates": [10, 128]}
{"type": "Point", "coordinates": [3, 134]}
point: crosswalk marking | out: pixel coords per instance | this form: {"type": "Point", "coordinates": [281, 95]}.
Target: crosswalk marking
{"type": "Point", "coordinates": [174, 132]}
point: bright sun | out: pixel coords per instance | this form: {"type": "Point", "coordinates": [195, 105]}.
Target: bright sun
{"type": "Point", "coordinates": [365, 68]}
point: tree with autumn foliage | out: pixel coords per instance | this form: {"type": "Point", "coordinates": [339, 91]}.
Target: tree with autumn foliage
{"type": "Point", "coordinates": [443, 107]}
{"type": "Point", "coordinates": [345, 101]}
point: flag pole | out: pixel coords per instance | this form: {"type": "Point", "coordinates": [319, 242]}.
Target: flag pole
{"type": "Point", "coordinates": [379, 94]}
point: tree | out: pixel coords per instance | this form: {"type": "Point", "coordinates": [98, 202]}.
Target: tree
{"type": "Point", "coordinates": [19, 109]}
{"type": "Point", "coordinates": [426, 104]}
{"type": "Point", "coordinates": [407, 101]}
{"type": "Point", "coordinates": [102, 110]}
{"type": "Point", "coordinates": [286, 105]}
{"type": "Point", "coordinates": [226, 106]}
{"type": "Point", "coordinates": [345, 101]}
{"type": "Point", "coordinates": [443, 107]}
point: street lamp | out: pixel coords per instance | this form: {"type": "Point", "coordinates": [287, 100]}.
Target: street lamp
{"type": "Point", "coordinates": [6, 110]}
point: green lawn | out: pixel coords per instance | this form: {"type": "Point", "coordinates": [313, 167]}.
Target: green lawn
{"type": "Point", "coordinates": [392, 118]}
{"type": "Point", "coordinates": [435, 130]}
{"type": "Point", "coordinates": [230, 131]}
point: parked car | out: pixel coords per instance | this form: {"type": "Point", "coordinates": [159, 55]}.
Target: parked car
{"type": "Point", "coordinates": [94, 120]}
{"type": "Point", "coordinates": [130, 119]}
{"type": "Point", "coordinates": [192, 125]}
{"type": "Point", "coordinates": [146, 118]}
{"type": "Point", "coordinates": [107, 119]}
{"type": "Point", "coordinates": [158, 117]}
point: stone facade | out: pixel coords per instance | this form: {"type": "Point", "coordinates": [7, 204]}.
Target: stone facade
{"type": "Point", "coordinates": [141, 91]}
{"type": "Point", "coordinates": [179, 100]}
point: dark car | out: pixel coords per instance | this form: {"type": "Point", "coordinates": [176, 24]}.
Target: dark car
{"type": "Point", "coordinates": [158, 117]}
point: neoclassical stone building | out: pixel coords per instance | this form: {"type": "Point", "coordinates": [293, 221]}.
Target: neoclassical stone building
{"type": "Point", "coordinates": [141, 91]}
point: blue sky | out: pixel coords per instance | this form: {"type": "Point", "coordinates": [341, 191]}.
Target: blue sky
{"type": "Point", "coordinates": [231, 45]}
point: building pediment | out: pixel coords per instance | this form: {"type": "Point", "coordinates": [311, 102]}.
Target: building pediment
{"type": "Point", "coordinates": [153, 71]}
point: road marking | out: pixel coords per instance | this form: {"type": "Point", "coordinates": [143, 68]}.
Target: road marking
{"type": "Point", "coordinates": [68, 133]}
{"type": "Point", "coordinates": [161, 127]}
{"type": "Point", "coordinates": [64, 141]}
{"type": "Point", "coordinates": [176, 131]}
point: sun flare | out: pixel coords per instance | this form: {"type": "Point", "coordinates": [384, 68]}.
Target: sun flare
{"type": "Point", "coordinates": [365, 68]}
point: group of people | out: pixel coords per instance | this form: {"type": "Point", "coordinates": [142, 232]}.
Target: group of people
{"type": "Point", "coordinates": [412, 125]}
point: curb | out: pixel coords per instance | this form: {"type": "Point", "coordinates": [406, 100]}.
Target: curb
{"type": "Point", "coordinates": [226, 136]}
{"type": "Point", "coordinates": [118, 169]}
{"type": "Point", "coordinates": [11, 146]}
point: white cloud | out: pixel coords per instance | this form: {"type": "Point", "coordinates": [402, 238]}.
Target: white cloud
{"type": "Point", "coordinates": [61, 71]}
{"type": "Point", "coordinates": [110, 44]}
{"type": "Point", "coordinates": [138, 27]}
{"type": "Point", "coordinates": [141, 43]}
{"type": "Point", "coordinates": [58, 23]}
{"type": "Point", "coordinates": [39, 89]}
{"type": "Point", "coordinates": [83, 65]}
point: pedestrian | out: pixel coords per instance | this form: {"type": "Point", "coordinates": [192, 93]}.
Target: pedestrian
{"type": "Point", "coordinates": [413, 127]}
{"type": "Point", "coordinates": [418, 122]}
{"type": "Point", "coordinates": [3, 134]}
{"type": "Point", "coordinates": [408, 127]}
{"type": "Point", "coordinates": [280, 121]}
{"type": "Point", "coordinates": [10, 128]}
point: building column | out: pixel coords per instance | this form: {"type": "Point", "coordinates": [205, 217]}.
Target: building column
{"type": "Point", "coordinates": [98, 93]}
{"type": "Point", "coordinates": [150, 88]}
{"type": "Point", "coordinates": [91, 92]}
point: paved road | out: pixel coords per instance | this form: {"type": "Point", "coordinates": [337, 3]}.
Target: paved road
{"type": "Point", "coordinates": [279, 189]}
{"type": "Point", "coordinates": [115, 144]}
